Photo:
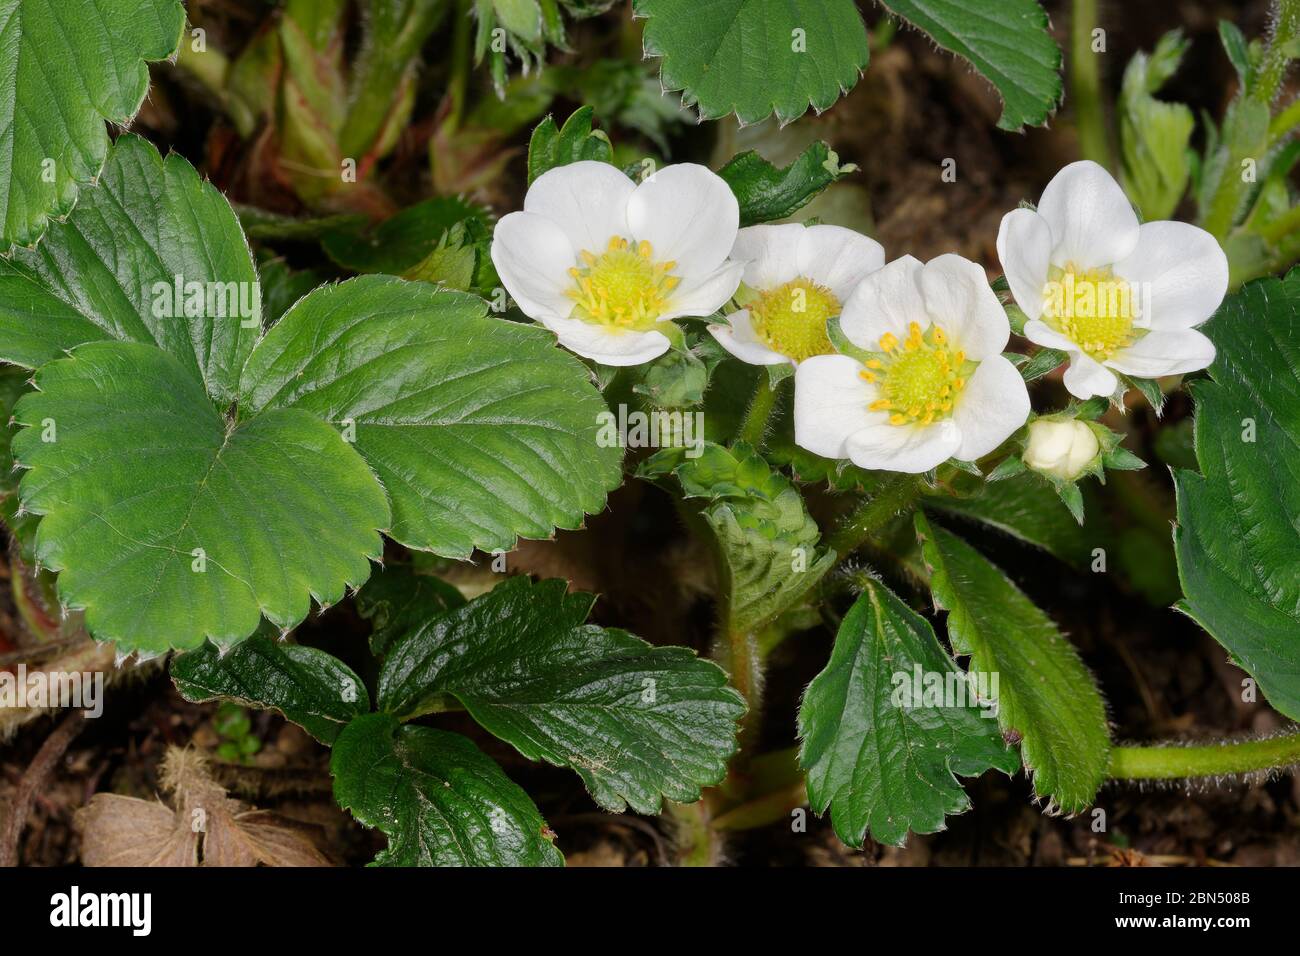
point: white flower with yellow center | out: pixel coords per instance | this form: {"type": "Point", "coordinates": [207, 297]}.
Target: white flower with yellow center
{"type": "Point", "coordinates": [602, 261]}
{"type": "Point", "coordinates": [932, 385]}
{"type": "Point", "coordinates": [796, 278]}
{"type": "Point", "coordinates": [1113, 294]}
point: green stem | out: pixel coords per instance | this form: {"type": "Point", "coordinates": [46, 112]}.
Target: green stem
{"type": "Point", "coordinates": [874, 513]}
{"type": "Point", "coordinates": [1212, 760]}
{"type": "Point", "coordinates": [1284, 123]}
{"type": "Point", "coordinates": [760, 411]}
{"type": "Point", "coordinates": [1085, 84]}
{"type": "Point", "coordinates": [1276, 59]}
{"type": "Point", "coordinates": [460, 65]}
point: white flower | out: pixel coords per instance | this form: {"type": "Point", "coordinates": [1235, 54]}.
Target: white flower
{"type": "Point", "coordinates": [1111, 293]}
{"type": "Point", "coordinates": [601, 261]}
{"type": "Point", "coordinates": [935, 385]}
{"type": "Point", "coordinates": [1063, 449]}
{"type": "Point", "coordinates": [800, 276]}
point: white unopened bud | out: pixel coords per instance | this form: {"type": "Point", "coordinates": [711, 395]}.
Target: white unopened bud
{"type": "Point", "coordinates": [1061, 448]}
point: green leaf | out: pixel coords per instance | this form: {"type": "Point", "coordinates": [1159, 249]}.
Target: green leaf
{"type": "Point", "coordinates": [313, 689]}
{"type": "Point", "coordinates": [1154, 135]}
{"type": "Point", "coordinates": [756, 57]}
{"type": "Point", "coordinates": [14, 383]}
{"type": "Point", "coordinates": [766, 193]}
{"type": "Point", "coordinates": [110, 272]}
{"type": "Point", "coordinates": [636, 722]}
{"type": "Point", "coordinates": [552, 146]}
{"type": "Point", "coordinates": [399, 600]}
{"type": "Point", "coordinates": [69, 65]}
{"type": "Point", "coordinates": [1007, 42]}
{"type": "Point", "coordinates": [400, 242]}
{"type": "Point", "coordinates": [1026, 508]}
{"type": "Point", "coordinates": [440, 800]}
{"type": "Point", "coordinates": [1046, 697]}
{"type": "Point", "coordinates": [169, 523]}
{"type": "Point", "coordinates": [1238, 50]}
{"type": "Point", "coordinates": [481, 430]}
{"type": "Point", "coordinates": [884, 767]}
{"type": "Point", "coordinates": [1236, 537]}
{"type": "Point", "coordinates": [767, 543]}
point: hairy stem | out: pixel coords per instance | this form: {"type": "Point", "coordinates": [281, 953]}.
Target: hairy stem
{"type": "Point", "coordinates": [754, 427]}
{"type": "Point", "coordinates": [1085, 84]}
{"type": "Point", "coordinates": [1207, 760]}
{"type": "Point", "coordinates": [896, 494]}
{"type": "Point", "coordinates": [1276, 60]}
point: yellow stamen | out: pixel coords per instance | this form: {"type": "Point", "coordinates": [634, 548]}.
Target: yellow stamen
{"type": "Point", "coordinates": [917, 383]}
{"type": "Point", "coordinates": [1093, 308]}
{"type": "Point", "coordinates": [623, 287]}
{"type": "Point", "coordinates": [791, 319]}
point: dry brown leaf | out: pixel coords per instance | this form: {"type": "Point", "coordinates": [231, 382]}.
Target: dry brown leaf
{"type": "Point", "coordinates": [206, 828]}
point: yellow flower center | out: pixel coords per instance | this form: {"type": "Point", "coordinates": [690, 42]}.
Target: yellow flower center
{"type": "Point", "coordinates": [623, 287]}
{"type": "Point", "coordinates": [1092, 308]}
{"type": "Point", "coordinates": [791, 319]}
{"type": "Point", "coordinates": [919, 378]}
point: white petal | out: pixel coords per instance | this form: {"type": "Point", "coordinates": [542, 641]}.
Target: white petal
{"type": "Point", "coordinates": [1091, 219]}
{"type": "Point", "coordinates": [770, 254]}
{"type": "Point", "coordinates": [1165, 353]}
{"type": "Point", "coordinates": [607, 346]}
{"type": "Point", "coordinates": [993, 404]}
{"type": "Point", "coordinates": [704, 295]}
{"type": "Point", "coordinates": [1040, 333]}
{"type": "Point", "coordinates": [739, 338]}
{"type": "Point", "coordinates": [588, 200]}
{"type": "Point", "coordinates": [688, 214]}
{"type": "Point", "coordinates": [885, 301]}
{"type": "Point", "coordinates": [907, 448]}
{"type": "Point", "coordinates": [830, 404]}
{"type": "Point", "coordinates": [1181, 273]}
{"type": "Point", "coordinates": [533, 257]}
{"type": "Point", "coordinates": [958, 298]}
{"type": "Point", "coordinates": [1025, 251]}
{"type": "Point", "coordinates": [838, 258]}
{"type": "Point", "coordinates": [1086, 377]}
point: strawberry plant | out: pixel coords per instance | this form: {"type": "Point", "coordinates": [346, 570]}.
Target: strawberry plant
{"type": "Point", "coordinates": [497, 408]}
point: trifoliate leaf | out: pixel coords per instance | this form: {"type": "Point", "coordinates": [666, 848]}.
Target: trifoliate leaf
{"type": "Point", "coordinates": [767, 542]}
{"type": "Point", "coordinates": [636, 722]}
{"type": "Point", "coordinates": [69, 65]}
{"type": "Point", "coordinates": [1236, 539]}
{"type": "Point", "coordinates": [501, 424]}
{"type": "Point", "coordinates": [481, 430]}
{"type": "Point", "coordinates": [1007, 42]}
{"type": "Point", "coordinates": [766, 193]}
{"type": "Point", "coordinates": [552, 146]}
{"type": "Point", "coordinates": [152, 253]}
{"type": "Point", "coordinates": [885, 762]}
{"type": "Point", "coordinates": [314, 689]}
{"type": "Point", "coordinates": [1046, 697]}
{"type": "Point", "coordinates": [170, 524]}
{"type": "Point", "coordinates": [756, 57]}
{"type": "Point", "coordinates": [440, 800]}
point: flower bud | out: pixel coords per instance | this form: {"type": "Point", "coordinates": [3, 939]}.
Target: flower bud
{"type": "Point", "coordinates": [1062, 449]}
